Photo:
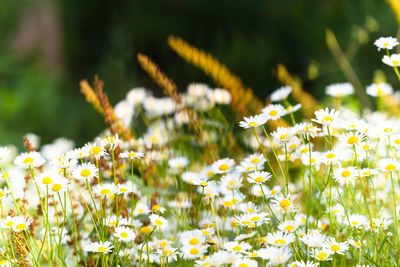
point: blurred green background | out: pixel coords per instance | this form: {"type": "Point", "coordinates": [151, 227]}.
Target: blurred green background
{"type": "Point", "coordinates": [47, 47]}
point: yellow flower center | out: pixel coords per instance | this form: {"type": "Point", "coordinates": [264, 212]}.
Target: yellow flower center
{"type": "Point", "coordinates": [105, 191]}
{"type": "Point", "coordinates": [3, 261]}
{"type": "Point", "coordinates": [280, 242]}
{"type": "Point", "coordinates": [255, 160]}
{"type": "Point", "coordinates": [255, 219]}
{"type": "Point", "coordinates": [231, 183]}
{"type": "Point", "coordinates": [205, 232]}
{"type": "Point", "coordinates": [194, 241]}
{"type": "Point", "coordinates": [158, 222]}
{"type": "Point", "coordinates": [289, 228]}
{"type": "Point", "coordinates": [386, 44]}
{"type": "Point", "coordinates": [96, 150]}
{"type": "Point", "coordinates": [194, 251]}
{"type": "Point", "coordinates": [223, 167]}
{"type": "Point", "coordinates": [252, 124]}
{"type": "Point", "coordinates": [330, 156]}
{"type": "Point", "coordinates": [102, 249]}
{"type": "Point", "coordinates": [395, 62]}
{"type": "Point", "coordinates": [285, 203]}
{"type": "Point", "coordinates": [243, 265]}
{"type": "Point", "coordinates": [47, 180]}
{"type": "Point", "coordinates": [273, 113]}
{"type": "Point", "coordinates": [145, 230]}
{"type": "Point", "coordinates": [390, 167]}
{"type": "Point", "coordinates": [85, 173]}
{"type": "Point", "coordinates": [56, 187]}
{"type": "Point", "coordinates": [259, 179]}
{"type": "Point", "coordinates": [10, 223]}
{"type": "Point", "coordinates": [327, 119]}
{"type": "Point", "coordinates": [352, 140]}
{"type": "Point", "coordinates": [322, 256]}
{"type": "Point", "coordinates": [123, 189]}
{"type": "Point", "coordinates": [292, 146]}
{"type": "Point", "coordinates": [237, 248]}
{"type": "Point", "coordinates": [21, 226]}
{"type": "Point", "coordinates": [346, 173]}
{"type": "Point", "coordinates": [250, 168]}
{"type": "Point", "coordinates": [397, 141]}
{"type": "Point", "coordinates": [28, 160]}
{"type": "Point", "coordinates": [123, 234]}
{"type": "Point", "coordinates": [283, 136]}
{"type": "Point", "coordinates": [203, 184]}
{"type": "Point", "coordinates": [354, 223]}
{"type": "Point", "coordinates": [335, 248]}
{"type": "Point", "coordinates": [131, 155]}
{"type": "Point", "coordinates": [366, 147]}
{"type": "Point", "coordinates": [357, 244]}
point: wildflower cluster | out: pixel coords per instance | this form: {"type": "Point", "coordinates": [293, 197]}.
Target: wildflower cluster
{"type": "Point", "coordinates": [187, 191]}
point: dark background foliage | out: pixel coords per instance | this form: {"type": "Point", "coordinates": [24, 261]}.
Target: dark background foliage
{"type": "Point", "coordinates": [47, 47]}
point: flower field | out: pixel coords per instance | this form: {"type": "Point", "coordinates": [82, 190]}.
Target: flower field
{"type": "Point", "coordinates": [213, 177]}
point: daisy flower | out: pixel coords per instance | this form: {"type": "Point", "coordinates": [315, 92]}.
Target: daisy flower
{"type": "Point", "coordinates": [46, 178]}
{"type": "Point", "coordinates": [59, 184]}
{"type": "Point", "coordinates": [104, 190]}
{"type": "Point", "coordinates": [281, 93]}
{"type": "Point", "coordinates": [125, 188]}
{"type": "Point", "coordinates": [96, 150]}
{"type": "Point", "coordinates": [253, 121]}
{"type": "Point", "coordinates": [21, 223]}
{"type": "Point", "coordinates": [352, 138]}
{"type": "Point", "coordinates": [283, 204]}
{"type": "Point", "coordinates": [326, 117]}
{"type": "Point", "coordinates": [258, 177]}
{"type": "Point", "coordinates": [321, 254]}
{"type": "Point", "coordinates": [345, 176]}
{"type": "Point", "coordinates": [192, 238]}
{"type": "Point", "coordinates": [336, 247]}
{"type": "Point", "coordinates": [237, 247]}
{"type": "Point", "coordinates": [111, 141]}
{"type": "Point", "coordinates": [131, 155]}
{"type": "Point", "coordinates": [354, 243]}
{"type": "Point", "coordinates": [244, 262]}
{"type": "Point", "coordinates": [158, 221]}
{"type": "Point", "coordinates": [274, 111]}
{"type": "Point", "coordinates": [291, 109]}
{"type": "Point", "coordinates": [379, 89]}
{"type": "Point", "coordinates": [313, 238]}
{"type": "Point", "coordinates": [340, 89]}
{"type": "Point", "coordinates": [124, 233]}
{"type": "Point", "coordinates": [389, 165]}
{"type": "Point", "coordinates": [280, 239]}
{"type": "Point", "coordinates": [223, 165]}
{"type": "Point", "coordinates": [276, 255]}
{"type": "Point", "coordinates": [309, 130]}
{"type": "Point", "coordinates": [99, 247]}
{"type": "Point", "coordinates": [178, 163]}
{"type": "Point", "coordinates": [357, 221]}
{"type": "Point", "coordinates": [29, 160]}
{"type": "Point", "coordinates": [288, 226]}
{"type": "Point", "coordinates": [219, 96]}
{"type": "Point", "coordinates": [193, 252]}
{"type": "Point", "coordinates": [386, 43]}
{"type": "Point", "coordinates": [85, 171]}
{"type": "Point", "coordinates": [282, 134]}
{"type": "Point", "coordinates": [392, 60]}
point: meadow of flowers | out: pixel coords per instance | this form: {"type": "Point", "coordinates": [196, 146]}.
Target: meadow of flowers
{"type": "Point", "coordinates": [175, 181]}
